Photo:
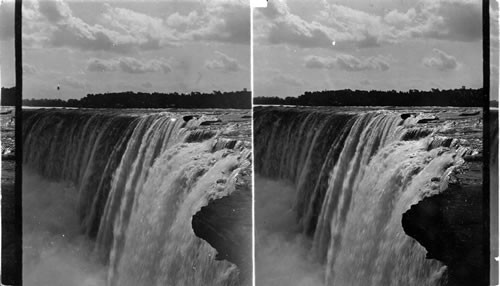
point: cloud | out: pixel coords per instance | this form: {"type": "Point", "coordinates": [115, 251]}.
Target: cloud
{"type": "Point", "coordinates": [223, 63]}
{"type": "Point", "coordinates": [277, 25]}
{"type": "Point", "coordinates": [121, 34]}
{"type": "Point", "coordinates": [150, 31]}
{"type": "Point", "coordinates": [356, 28]}
{"type": "Point", "coordinates": [53, 23]}
{"type": "Point", "coordinates": [452, 20]}
{"type": "Point", "coordinates": [288, 79]}
{"type": "Point", "coordinates": [132, 65]}
{"type": "Point", "coordinates": [347, 63]}
{"type": "Point", "coordinates": [348, 27]}
{"type": "Point", "coordinates": [181, 22]}
{"type": "Point", "coordinates": [399, 19]}
{"type": "Point", "coordinates": [129, 65]}
{"type": "Point", "coordinates": [442, 61]}
{"type": "Point", "coordinates": [219, 21]}
{"type": "Point", "coordinates": [54, 11]}
{"type": "Point", "coordinates": [29, 69]}
{"type": "Point", "coordinates": [98, 65]}
{"type": "Point", "coordinates": [73, 82]}
{"type": "Point", "coordinates": [296, 31]}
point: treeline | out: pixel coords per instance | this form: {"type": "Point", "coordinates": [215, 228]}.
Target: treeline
{"type": "Point", "coordinates": [413, 97]}
{"type": "Point", "coordinates": [216, 99]}
{"type": "Point", "coordinates": [8, 96]}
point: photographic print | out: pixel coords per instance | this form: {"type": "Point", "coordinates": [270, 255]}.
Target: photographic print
{"type": "Point", "coordinates": [223, 142]}
{"type": "Point", "coordinates": [368, 144]}
{"type": "Point", "coordinates": [136, 143]}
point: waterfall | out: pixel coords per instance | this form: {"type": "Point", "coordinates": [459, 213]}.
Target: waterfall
{"type": "Point", "coordinates": [353, 175]}
{"type": "Point", "coordinates": [140, 177]}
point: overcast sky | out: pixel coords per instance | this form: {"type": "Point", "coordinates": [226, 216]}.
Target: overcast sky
{"type": "Point", "coordinates": [187, 45]}
{"type": "Point", "coordinates": [165, 46]}
{"type": "Point", "coordinates": [379, 44]}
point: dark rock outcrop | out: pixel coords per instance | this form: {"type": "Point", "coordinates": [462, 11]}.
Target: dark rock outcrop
{"type": "Point", "coordinates": [429, 119]}
{"type": "Point", "coordinates": [210, 122]}
{"type": "Point", "coordinates": [470, 113]}
{"type": "Point", "coordinates": [6, 157]}
{"type": "Point", "coordinates": [408, 115]}
{"type": "Point", "coordinates": [226, 224]}
{"type": "Point", "coordinates": [189, 117]}
{"type": "Point", "coordinates": [473, 158]}
{"type": "Point", "coordinates": [416, 133]}
{"type": "Point", "coordinates": [452, 228]}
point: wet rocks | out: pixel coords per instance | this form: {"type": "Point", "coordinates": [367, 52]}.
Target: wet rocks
{"type": "Point", "coordinates": [452, 228]}
{"type": "Point", "coordinates": [470, 113]}
{"type": "Point", "coordinates": [210, 122]}
{"type": "Point", "coordinates": [226, 225]}
{"type": "Point", "coordinates": [408, 115]}
{"type": "Point", "coordinates": [189, 117]}
{"type": "Point", "coordinates": [416, 133]}
{"type": "Point", "coordinates": [428, 119]}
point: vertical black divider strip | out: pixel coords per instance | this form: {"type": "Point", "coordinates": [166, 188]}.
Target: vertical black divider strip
{"type": "Point", "coordinates": [11, 269]}
{"type": "Point", "coordinates": [19, 142]}
{"type": "Point", "coordinates": [486, 135]}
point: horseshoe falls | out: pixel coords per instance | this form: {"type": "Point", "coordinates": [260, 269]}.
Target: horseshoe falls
{"type": "Point", "coordinates": [109, 197]}
{"type": "Point", "coordinates": [332, 185]}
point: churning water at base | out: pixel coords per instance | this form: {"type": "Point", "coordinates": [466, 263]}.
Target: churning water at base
{"type": "Point", "coordinates": [281, 250]}
{"type": "Point", "coordinates": [109, 197]}
{"type": "Point", "coordinates": [336, 185]}
{"type": "Point", "coordinates": [55, 252]}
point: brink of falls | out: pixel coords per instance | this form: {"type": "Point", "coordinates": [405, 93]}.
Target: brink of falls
{"type": "Point", "coordinates": [348, 176]}
{"type": "Point", "coordinates": [133, 180]}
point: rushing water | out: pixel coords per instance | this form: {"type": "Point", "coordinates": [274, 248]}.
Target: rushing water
{"type": "Point", "coordinates": [342, 181]}
{"type": "Point", "coordinates": [109, 196]}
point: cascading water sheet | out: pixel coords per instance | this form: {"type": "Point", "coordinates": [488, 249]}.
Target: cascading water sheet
{"type": "Point", "coordinates": [130, 183]}
{"type": "Point", "coordinates": [345, 177]}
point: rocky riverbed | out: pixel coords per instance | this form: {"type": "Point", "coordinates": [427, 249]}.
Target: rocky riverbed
{"type": "Point", "coordinates": [453, 225]}
{"type": "Point", "coordinates": [7, 129]}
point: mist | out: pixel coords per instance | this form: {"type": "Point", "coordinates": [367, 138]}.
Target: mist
{"type": "Point", "coordinates": [54, 250]}
{"type": "Point", "coordinates": [281, 256]}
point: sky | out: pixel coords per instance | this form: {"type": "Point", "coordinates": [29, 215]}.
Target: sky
{"type": "Point", "coordinates": [143, 46]}
{"type": "Point", "coordinates": [367, 44]}
{"type": "Point", "coordinates": [204, 45]}
{"type": "Point", "coordinates": [7, 59]}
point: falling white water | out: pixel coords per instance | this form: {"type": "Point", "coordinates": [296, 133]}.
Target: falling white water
{"type": "Point", "coordinates": [351, 178]}
{"type": "Point", "coordinates": [368, 245]}
{"type": "Point", "coordinates": [132, 182]}
{"type": "Point", "coordinates": [148, 250]}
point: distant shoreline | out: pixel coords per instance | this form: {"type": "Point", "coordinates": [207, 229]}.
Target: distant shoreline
{"type": "Point", "coordinates": [462, 97]}
{"type": "Point", "coordinates": [241, 99]}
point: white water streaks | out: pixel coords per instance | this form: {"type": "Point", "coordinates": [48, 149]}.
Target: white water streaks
{"type": "Point", "coordinates": [138, 180]}
{"type": "Point", "coordinates": [351, 178]}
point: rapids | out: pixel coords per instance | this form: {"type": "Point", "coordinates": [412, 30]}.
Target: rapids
{"type": "Point", "coordinates": [128, 184]}
{"type": "Point", "coordinates": [346, 178]}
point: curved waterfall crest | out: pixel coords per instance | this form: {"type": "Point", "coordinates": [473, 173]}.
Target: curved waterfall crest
{"type": "Point", "coordinates": [140, 178]}
{"type": "Point", "coordinates": [354, 175]}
